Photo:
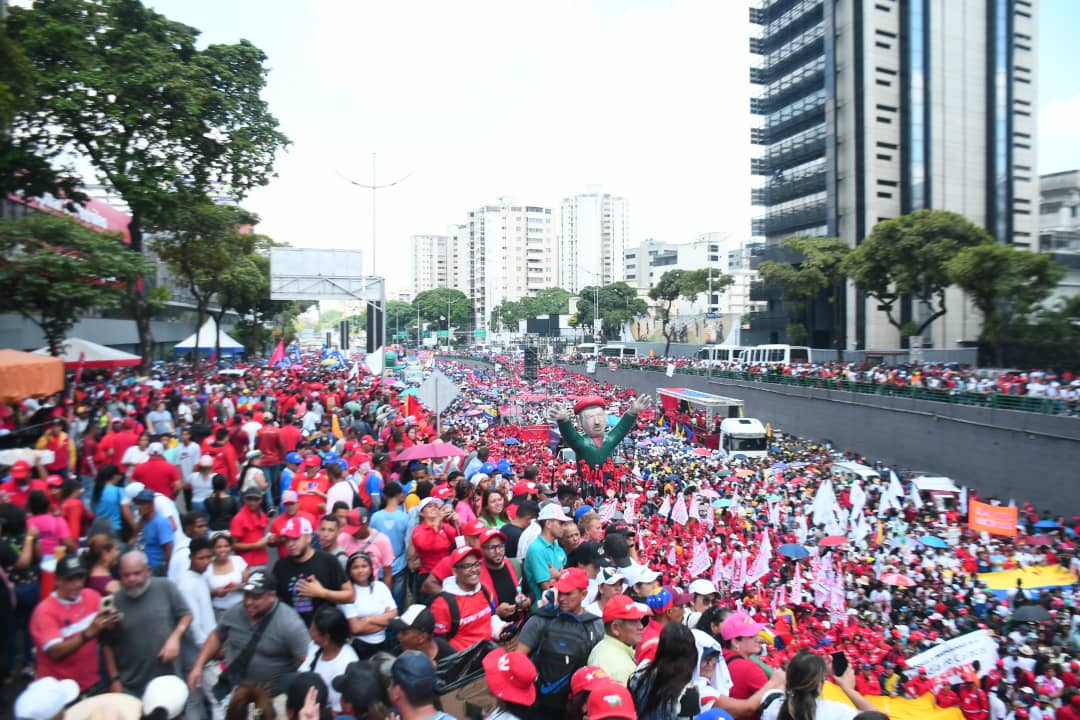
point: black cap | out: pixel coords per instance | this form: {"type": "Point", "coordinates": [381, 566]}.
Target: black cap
{"type": "Point", "coordinates": [587, 553]}
{"type": "Point", "coordinates": [360, 685]}
{"type": "Point", "coordinates": [70, 566]}
{"type": "Point", "coordinates": [260, 581]}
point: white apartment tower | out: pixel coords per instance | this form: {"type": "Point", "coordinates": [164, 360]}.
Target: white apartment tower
{"type": "Point", "coordinates": [512, 253]}
{"type": "Point", "coordinates": [429, 262]}
{"type": "Point", "coordinates": [594, 231]}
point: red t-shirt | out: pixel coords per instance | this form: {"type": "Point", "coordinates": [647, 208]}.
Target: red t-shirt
{"type": "Point", "coordinates": [268, 442]}
{"type": "Point", "coordinates": [78, 518]}
{"type": "Point", "coordinates": [650, 638]}
{"type": "Point", "coordinates": [248, 527]}
{"type": "Point", "coordinates": [159, 475]}
{"type": "Point", "coordinates": [290, 438]}
{"type": "Point", "coordinates": [304, 485]}
{"type": "Point", "coordinates": [54, 621]}
{"type": "Point", "coordinates": [747, 677]}
{"type": "Point", "coordinates": [18, 496]}
{"type": "Point", "coordinates": [278, 523]}
{"type": "Point", "coordinates": [433, 545]}
{"type": "Point", "coordinates": [474, 625]}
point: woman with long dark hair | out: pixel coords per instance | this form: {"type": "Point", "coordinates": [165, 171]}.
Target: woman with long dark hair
{"type": "Point", "coordinates": [372, 608]}
{"type": "Point", "coordinates": [329, 654]}
{"type": "Point", "coordinates": [493, 508]}
{"type": "Point", "coordinates": [806, 675]}
{"type": "Point", "coordinates": [662, 690]}
{"type": "Point", "coordinates": [102, 552]}
{"type": "Point", "coordinates": [111, 507]}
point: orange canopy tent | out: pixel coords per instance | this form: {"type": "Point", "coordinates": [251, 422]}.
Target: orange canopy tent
{"type": "Point", "coordinates": [24, 375]}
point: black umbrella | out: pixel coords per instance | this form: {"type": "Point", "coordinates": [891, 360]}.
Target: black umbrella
{"type": "Point", "coordinates": [1030, 613]}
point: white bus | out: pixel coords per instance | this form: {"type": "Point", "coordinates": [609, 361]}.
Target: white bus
{"type": "Point", "coordinates": [775, 355]}
{"type": "Point", "coordinates": [585, 349]}
{"type": "Point", "coordinates": [618, 352]}
{"type": "Point", "coordinates": [720, 354]}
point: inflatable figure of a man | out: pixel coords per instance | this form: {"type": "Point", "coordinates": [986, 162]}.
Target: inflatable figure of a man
{"type": "Point", "coordinates": [595, 447]}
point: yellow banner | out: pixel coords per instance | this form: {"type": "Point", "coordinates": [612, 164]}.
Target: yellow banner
{"type": "Point", "coordinates": [1034, 577]}
{"type": "Point", "coordinates": [921, 708]}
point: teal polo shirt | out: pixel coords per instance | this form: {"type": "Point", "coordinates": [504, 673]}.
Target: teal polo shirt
{"type": "Point", "coordinates": [540, 555]}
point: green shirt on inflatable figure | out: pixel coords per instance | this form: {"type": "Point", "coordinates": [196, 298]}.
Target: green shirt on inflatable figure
{"type": "Point", "coordinates": [594, 447]}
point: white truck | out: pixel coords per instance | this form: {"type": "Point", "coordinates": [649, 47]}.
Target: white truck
{"type": "Point", "coordinates": [743, 436]}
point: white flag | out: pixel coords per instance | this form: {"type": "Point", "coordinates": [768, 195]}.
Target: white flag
{"type": "Point", "coordinates": [354, 370]}
{"type": "Point", "coordinates": [796, 585]}
{"type": "Point", "coordinates": [665, 507]}
{"type": "Point", "coordinates": [916, 499]}
{"type": "Point", "coordinates": [679, 513]}
{"type": "Point", "coordinates": [700, 561]}
{"type": "Point", "coordinates": [671, 370]}
{"type": "Point", "coordinates": [694, 509]}
{"type": "Point", "coordinates": [608, 511]}
{"type": "Point", "coordinates": [963, 500]}
{"type": "Point", "coordinates": [672, 558]}
{"type": "Point", "coordinates": [718, 571]}
{"type": "Point", "coordinates": [824, 503]}
{"type": "Point", "coordinates": [374, 362]}
{"type": "Point", "coordinates": [760, 566]}
{"type": "Point", "coordinates": [628, 512]}
{"type": "Point", "coordinates": [858, 498]}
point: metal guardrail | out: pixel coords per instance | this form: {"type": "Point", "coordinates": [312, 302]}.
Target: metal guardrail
{"type": "Point", "coordinates": [1000, 401]}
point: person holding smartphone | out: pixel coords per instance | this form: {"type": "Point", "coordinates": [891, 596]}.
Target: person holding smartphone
{"type": "Point", "coordinates": [801, 697]}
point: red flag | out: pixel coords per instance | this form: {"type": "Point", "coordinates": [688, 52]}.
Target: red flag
{"type": "Point", "coordinates": [279, 353]}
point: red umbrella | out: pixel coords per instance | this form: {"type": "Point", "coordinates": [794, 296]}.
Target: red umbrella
{"type": "Point", "coordinates": [1038, 540]}
{"type": "Point", "coordinates": [433, 450]}
{"type": "Point", "coordinates": [832, 541]}
{"type": "Point", "coordinates": [896, 579]}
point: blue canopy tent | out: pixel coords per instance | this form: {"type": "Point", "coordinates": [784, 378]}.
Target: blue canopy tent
{"type": "Point", "coordinates": [229, 346]}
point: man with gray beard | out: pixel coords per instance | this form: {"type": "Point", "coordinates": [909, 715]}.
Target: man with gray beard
{"type": "Point", "coordinates": [154, 617]}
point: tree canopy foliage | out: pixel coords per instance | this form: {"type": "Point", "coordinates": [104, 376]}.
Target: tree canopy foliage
{"type": "Point", "coordinates": [549, 301]}
{"type": "Point", "coordinates": [432, 306]}
{"type": "Point", "coordinates": [618, 305]}
{"type": "Point", "coordinates": [158, 119]}
{"type": "Point", "coordinates": [685, 284]}
{"type": "Point", "coordinates": [53, 270]}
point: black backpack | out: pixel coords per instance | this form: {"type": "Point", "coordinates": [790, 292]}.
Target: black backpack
{"type": "Point", "coordinates": [563, 648]}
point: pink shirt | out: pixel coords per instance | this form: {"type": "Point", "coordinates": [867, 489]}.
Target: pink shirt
{"type": "Point", "coordinates": [377, 545]}
{"type": "Point", "coordinates": [51, 530]}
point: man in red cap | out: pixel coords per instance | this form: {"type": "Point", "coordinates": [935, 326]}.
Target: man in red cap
{"type": "Point", "coordinates": [918, 685]}
{"type": "Point", "coordinates": [19, 487]}
{"type": "Point", "coordinates": [312, 486]}
{"type": "Point", "coordinates": [622, 628]}
{"type": "Point", "coordinates": [463, 609]}
{"type": "Point", "coordinates": [291, 502]}
{"type": "Point", "coordinates": [595, 447]}
{"type": "Point", "coordinates": [559, 640]}
{"type": "Point", "coordinates": [973, 700]}
{"type": "Point", "coordinates": [433, 583]}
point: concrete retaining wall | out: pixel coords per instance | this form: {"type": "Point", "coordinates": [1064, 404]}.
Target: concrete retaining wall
{"type": "Point", "coordinates": [1010, 454]}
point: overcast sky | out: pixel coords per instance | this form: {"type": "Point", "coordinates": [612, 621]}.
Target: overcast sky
{"type": "Point", "coordinates": [533, 100]}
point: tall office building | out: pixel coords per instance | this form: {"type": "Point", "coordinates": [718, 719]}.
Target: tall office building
{"type": "Point", "coordinates": [594, 231]}
{"type": "Point", "coordinates": [874, 109]}
{"type": "Point", "coordinates": [512, 253]}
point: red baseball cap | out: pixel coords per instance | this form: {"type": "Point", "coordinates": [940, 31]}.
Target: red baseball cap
{"type": "Point", "coordinates": [572, 579]}
{"type": "Point", "coordinates": [621, 607]}
{"type": "Point", "coordinates": [442, 491]}
{"type": "Point", "coordinates": [491, 533]}
{"type": "Point", "coordinates": [463, 552]}
{"type": "Point", "coordinates": [610, 700]}
{"type": "Point", "coordinates": [20, 470]}
{"type": "Point", "coordinates": [474, 528]}
{"type": "Point", "coordinates": [296, 527]}
{"type": "Point", "coordinates": [524, 487]}
{"type": "Point", "coordinates": [54, 481]}
{"type": "Point", "coordinates": [312, 461]}
{"type": "Point", "coordinates": [586, 678]}
{"type": "Point", "coordinates": [367, 440]}
{"type": "Point", "coordinates": [511, 676]}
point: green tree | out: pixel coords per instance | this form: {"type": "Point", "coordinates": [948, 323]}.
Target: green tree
{"type": "Point", "coordinates": [432, 306]}
{"type": "Point", "coordinates": [202, 242]}
{"type": "Point", "coordinates": [685, 284]}
{"type": "Point", "coordinates": [549, 301]}
{"type": "Point", "coordinates": [157, 118]}
{"type": "Point", "coordinates": [507, 314]}
{"type": "Point", "coordinates": [1005, 284]}
{"type": "Point", "coordinates": [619, 304]}
{"type": "Point", "coordinates": [400, 315]}
{"type": "Point", "coordinates": [54, 270]}
{"type": "Point", "coordinates": [818, 267]}
{"type": "Point", "coordinates": [910, 255]}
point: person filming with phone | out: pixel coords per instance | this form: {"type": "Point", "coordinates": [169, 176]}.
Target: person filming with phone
{"type": "Point", "coordinates": [65, 627]}
{"type": "Point", "coordinates": [801, 697]}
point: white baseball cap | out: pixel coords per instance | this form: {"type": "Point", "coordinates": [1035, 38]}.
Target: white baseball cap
{"type": "Point", "coordinates": [133, 489]}
{"type": "Point", "coordinates": [45, 698]}
{"type": "Point", "coordinates": [639, 574]}
{"type": "Point", "coordinates": [167, 692]}
{"type": "Point", "coordinates": [155, 448]}
{"type": "Point", "coordinates": [701, 586]}
{"type": "Point", "coordinates": [553, 511]}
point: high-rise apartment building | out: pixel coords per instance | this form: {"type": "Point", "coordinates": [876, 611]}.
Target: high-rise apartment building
{"type": "Point", "coordinates": [594, 231]}
{"type": "Point", "coordinates": [874, 109]}
{"type": "Point", "coordinates": [430, 261]}
{"type": "Point", "coordinates": [512, 253]}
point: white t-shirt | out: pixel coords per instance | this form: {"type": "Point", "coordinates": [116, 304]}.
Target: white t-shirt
{"type": "Point", "coordinates": [330, 669]}
{"type": "Point", "coordinates": [202, 486]}
{"type": "Point", "coordinates": [825, 709]}
{"type": "Point", "coordinates": [239, 565]}
{"type": "Point", "coordinates": [370, 601]}
{"type": "Point", "coordinates": [133, 456]}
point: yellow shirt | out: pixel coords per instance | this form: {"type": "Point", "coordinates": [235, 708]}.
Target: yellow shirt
{"type": "Point", "coordinates": [411, 501]}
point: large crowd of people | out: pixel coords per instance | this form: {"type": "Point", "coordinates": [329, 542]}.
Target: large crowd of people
{"type": "Point", "coordinates": [312, 542]}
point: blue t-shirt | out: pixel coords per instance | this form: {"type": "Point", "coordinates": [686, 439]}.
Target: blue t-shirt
{"type": "Point", "coordinates": [394, 525]}
{"type": "Point", "coordinates": [285, 484]}
{"type": "Point", "coordinates": [108, 505]}
{"type": "Point", "coordinates": [155, 534]}
{"type": "Point", "coordinates": [374, 486]}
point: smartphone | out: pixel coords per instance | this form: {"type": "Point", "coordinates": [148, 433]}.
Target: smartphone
{"type": "Point", "coordinates": [839, 663]}
{"type": "Point", "coordinates": [108, 604]}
